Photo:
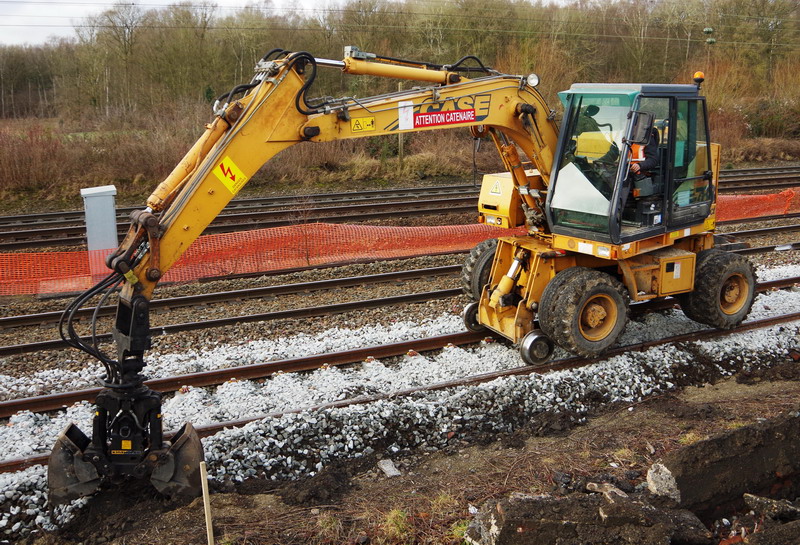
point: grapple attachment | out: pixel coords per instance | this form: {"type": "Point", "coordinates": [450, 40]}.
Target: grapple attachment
{"type": "Point", "coordinates": [77, 468]}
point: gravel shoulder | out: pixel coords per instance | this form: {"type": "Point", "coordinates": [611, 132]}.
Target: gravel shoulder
{"type": "Point", "coordinates": [432, 500]}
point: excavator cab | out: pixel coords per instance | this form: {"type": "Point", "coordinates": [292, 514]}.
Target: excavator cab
{"type": "Point", "coordinates": [593, 193]}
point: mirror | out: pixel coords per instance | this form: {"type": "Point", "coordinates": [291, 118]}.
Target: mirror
{"type": "Point", "coordinates": [642, 126]}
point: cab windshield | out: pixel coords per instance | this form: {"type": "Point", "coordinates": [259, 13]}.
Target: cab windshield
{"type": "Point", "coordinates": [586, 174]}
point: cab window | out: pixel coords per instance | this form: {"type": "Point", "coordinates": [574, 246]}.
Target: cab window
{"type": "Point", "coordinates": [586, 174]}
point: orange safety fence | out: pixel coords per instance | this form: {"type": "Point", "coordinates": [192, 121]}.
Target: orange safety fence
{"type": "Point", "coordinates": [245, 252]}
{"type": "Point", "coordinates": [305, 245]}
{"type": "Point", "coordinates": [737, 207]}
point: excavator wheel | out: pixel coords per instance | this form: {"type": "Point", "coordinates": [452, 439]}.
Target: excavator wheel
{"type": "Point", "coordinates": [592, 311]}
{"type": "Point", "coordinates": [547, 313]}
{"type": "Point", "coordinates": [724, 289]}
{"type": "Point", "coordinates": [476, 269]}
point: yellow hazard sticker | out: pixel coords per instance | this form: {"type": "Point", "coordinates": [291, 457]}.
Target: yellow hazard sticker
{"type": "Point", "coordinates": [495, 189]}
{"type": "Point", "coordinates": [362, 124]}
{"type": "Point", "coordinates": [126, 444]}
{"type": "Point", "coordinates": [230, 175]}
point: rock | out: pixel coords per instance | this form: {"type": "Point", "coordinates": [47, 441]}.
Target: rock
{"type": "Point", "coordinates": [608, 490]}
{"type": "Point", "coordinates": [388, 468]}
{"type": "Point", "coordinates": [774, 509]}
{"type": "Point", "coordinates": [716, 472]}
{"type": "Point", "coordinates": [772, 535]}
{"type": "Point", "coordinates": [661, 482]}
{"type": "Point", "coordinates": [586, 519]}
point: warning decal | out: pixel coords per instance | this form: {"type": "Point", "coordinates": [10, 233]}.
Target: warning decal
{"type": "Point", "coordinates": [431, 119]}
{"type": "Point", "coordinates": [230, 175]}
{"type": "Point", "coordinates": [362, 124]}
{"type": "Point", "coordinates": [495, 189]}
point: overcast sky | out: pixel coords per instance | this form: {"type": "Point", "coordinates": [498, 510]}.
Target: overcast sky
{"type": "Point", "coordinates": [34, 21]}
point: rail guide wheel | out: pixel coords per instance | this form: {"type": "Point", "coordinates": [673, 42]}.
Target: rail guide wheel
{"type": "Point", "coordinates": [470, 317]}
{"type": "Point", "coordinates": [536, 348]}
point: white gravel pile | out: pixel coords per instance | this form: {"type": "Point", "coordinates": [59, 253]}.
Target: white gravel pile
{"type": "Point", "coordinates": [298, 445]}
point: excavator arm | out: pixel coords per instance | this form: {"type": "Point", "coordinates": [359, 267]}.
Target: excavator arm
{"type": "Point", "coordinates": [272, 114]}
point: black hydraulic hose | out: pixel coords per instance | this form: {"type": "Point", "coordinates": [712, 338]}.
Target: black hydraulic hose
{"type": "Point", "coordinates": [455, 67]}
{"type": "Point", "coordinates": [112, 364]}
{"type": "Point", "coordinates": [244, 87]}
{"type": "Point", "coordinates": [300, 56]}
{"type": "Point", "coordinates": [71, 337]}
{"type": "Point", "coordinates": [451, 67]}
{"type": "Point", "coordinates": [271, 52]}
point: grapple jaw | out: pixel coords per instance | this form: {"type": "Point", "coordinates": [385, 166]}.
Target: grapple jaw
{"type": "Point", "coordinates": [177, 470]}
{"type": "Point", "coordinates": [69, 476]}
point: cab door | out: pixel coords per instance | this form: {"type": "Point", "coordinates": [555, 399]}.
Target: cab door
{"type": "Point", "coordinates": [689, 189]}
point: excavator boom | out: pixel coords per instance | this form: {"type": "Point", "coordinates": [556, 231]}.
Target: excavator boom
{"type": "Point", "coordinates": [253, 123]}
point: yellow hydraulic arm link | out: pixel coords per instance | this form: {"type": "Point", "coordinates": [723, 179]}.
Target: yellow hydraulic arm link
{"type": "Point", "coordinates": [269, 118]}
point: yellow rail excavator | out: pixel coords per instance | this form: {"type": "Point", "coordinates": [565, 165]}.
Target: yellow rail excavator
{"type": "Point", "coordinates": [591, 236]}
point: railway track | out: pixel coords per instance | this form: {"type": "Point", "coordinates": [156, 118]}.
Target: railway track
{"type": "Point", "coordinates": [52, 317]}
{"type": "Point", "coordinates": [755, 179]}
{"type": "Point", "coordinates": [249, 372]}
{"type": "Point", "coordinates": [54, 401]}
{"type": "Point", "coordinates": [66, 228]}
{"type": "Point", "coordinates": [16, 239]}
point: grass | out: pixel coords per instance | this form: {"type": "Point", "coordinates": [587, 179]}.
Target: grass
{"type": "Point", "coordinates": [330, 528]}
{"type": "Point", "coordinates": [689, 438]}
{"type": "Point", "coordinates": [47, 162]}
{"type": "Point", "coordinates": [396, 527]}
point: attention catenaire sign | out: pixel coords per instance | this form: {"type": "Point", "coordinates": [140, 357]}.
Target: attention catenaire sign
{"type": "Point", "coordinates": [430, 119]}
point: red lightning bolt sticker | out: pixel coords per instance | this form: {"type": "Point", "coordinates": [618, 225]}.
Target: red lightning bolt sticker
{"type": "Point", "coordinates": [230, 175]}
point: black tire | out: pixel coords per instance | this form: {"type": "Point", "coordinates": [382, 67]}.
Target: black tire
{"type": "Point", "coordinates": [724, 290]}
{"type": "Point", "coordinates": [477, 267]}
{"type": "Point", "coordinates": [547, 312]}
{"type": "Point", "coordinates": [590, 312]}
{"type": "Point", "coordinates": [685, 299]}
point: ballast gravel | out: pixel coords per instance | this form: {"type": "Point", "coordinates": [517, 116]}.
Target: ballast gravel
{"type": "Point", "coordinates": [297, 445]}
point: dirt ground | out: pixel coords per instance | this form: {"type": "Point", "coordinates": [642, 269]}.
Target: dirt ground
{"type": "Point", "coordinates": [434, 498]}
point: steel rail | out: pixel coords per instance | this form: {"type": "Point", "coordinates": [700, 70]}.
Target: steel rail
{"type": "Point", "coordinates": [273, 201]}
{"type": "Point", "coordinates": [758, 170]}
{"type": "Point", "coordinates": [10, 322]}
{"type": "Point", "coordinates": [349, 196]}
{"type": "Point", "coordinates": [256, 371]}
{"type": "Point", "coordinates": [41, 318]}
{"type": "Point", "coordinates": [246, 372]}
{"type": "Point", "coordinates": [306, 312]}
{"type": "Point", "coordinates": [759, 219]}
{"type": "Point", "coordinates": [260, 216]}
{"type": "Point", "coordinates": [64, 232]}
{"type": "Point", "coordinates": [237, 221]}
{"type": "Point", "coordinates": [18, 464]}
{"type": "Point", "coordinates": [15, 321]}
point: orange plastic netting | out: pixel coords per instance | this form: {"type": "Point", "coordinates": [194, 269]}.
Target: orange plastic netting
{"type": "Point", "coordinates": [302, 246]}
{"type": "Point", "coordinates": [736, 207]}
{"type": "Point", "coordinates": [246, 252]}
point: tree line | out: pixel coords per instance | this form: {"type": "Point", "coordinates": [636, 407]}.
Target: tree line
{"type": "Point", "coordinates": [130, 62]}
